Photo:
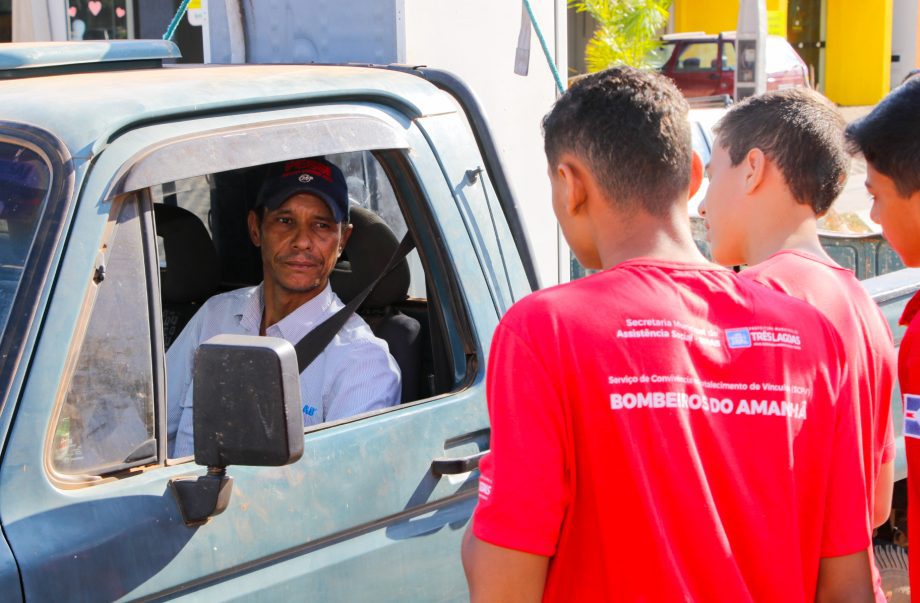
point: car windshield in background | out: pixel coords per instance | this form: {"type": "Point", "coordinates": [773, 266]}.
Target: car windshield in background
{"type": "Point", "coordinates": [24, 182]}
{"type": "Point", "coordinates": [657, 58]}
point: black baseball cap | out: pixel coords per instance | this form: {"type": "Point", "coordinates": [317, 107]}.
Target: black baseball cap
{"type": "Point", "coordinates": [315, 176]}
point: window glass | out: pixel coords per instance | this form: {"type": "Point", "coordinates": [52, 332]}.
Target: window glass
{"type": "Point", "coordinates": [698, 56]}
{"type": "Point", "coordinates": [100, 19]}
{"type": "Point", "coordinates": [728, 56]}
{"type": "Point", "coordinates": [24, 183]}
{"type": "Point", "coordinates": [369, 187]}
{"type": "Point", "coordinates": [107, 421]}
{"type": "Point", "coordinates": [204, 249]}
{"type": "Point", "coordinates": [659, 57]}
{"type": "Point", "coordinates": [6, 20]}
{"type": "Point", "coordinates": [700, 144]}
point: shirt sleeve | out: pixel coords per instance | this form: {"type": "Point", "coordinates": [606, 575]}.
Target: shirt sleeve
{"type": "Point", "coordinates": [846, 521]}
{"type": "Point", "coordinates": [524, 485]}
{"type": "Point", "coordinates": [179, 360]}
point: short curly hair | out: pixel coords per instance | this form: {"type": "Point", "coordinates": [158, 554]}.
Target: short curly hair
{"type": "Point", "coordinates": [631, 129]}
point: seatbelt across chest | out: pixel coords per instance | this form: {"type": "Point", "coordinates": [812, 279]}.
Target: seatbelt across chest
{"type": "Point", "coordinates": [314, 342]}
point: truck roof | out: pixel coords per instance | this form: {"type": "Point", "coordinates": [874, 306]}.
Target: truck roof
{"type": "Point", "coordinates": [87, 110]}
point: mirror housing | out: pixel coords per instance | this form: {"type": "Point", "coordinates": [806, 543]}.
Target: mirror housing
{"type": "Point", "coordinates": [246, 412]}
{"type": "Point", "coordinates": [247, 408]}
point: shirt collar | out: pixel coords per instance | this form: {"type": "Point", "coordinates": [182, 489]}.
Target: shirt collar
{"type": "Point", "coordinates": [910, 310]}
{"type": "Point", "coordinates": [296, 324]}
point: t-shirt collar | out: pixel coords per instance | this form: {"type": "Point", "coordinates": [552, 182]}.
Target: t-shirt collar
{"type": "Point", "coordinates": [910, 310]}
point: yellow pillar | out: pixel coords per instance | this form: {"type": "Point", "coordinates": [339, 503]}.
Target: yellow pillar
{"type": "Point", "coordinates": [858, 56]}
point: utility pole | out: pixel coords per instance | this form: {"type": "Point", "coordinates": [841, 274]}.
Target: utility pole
{"type": "Point", "coordinates": [751, 77]}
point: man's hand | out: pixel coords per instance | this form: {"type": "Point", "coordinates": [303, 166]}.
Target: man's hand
{"type": "Point", "coordinates": [845, 579]}
{"type": "Point", "coordinates": [495, 573]}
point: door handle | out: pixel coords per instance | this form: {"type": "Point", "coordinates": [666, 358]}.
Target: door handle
{"type": "Point", "coordinates": [454, 466]}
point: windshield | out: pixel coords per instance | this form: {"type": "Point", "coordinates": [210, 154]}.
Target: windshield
{"type": "Point", "coordinates": [658, 57]}
{"type": "Point", "coordinates": [24, 181]}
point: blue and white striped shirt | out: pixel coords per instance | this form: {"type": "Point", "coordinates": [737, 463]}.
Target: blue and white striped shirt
{"type": "Point", "coordinates": [354, 374]}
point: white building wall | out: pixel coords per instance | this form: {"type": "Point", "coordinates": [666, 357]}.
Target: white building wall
{"type": "Point", "coordinates": [476, 39]}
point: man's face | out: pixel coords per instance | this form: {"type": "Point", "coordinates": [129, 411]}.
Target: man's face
{"type": "Point", "coordinates": [300, 243]}
{"type": "Point", "coordinates": [722, 208]}
{"type": "Point", "coordinates": [899, 216]}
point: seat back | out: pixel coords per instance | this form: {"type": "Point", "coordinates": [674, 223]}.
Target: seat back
{"type": "Point", "coordinates": [369, 249]}
{"type": "Point", "coordinates": [191, 273]}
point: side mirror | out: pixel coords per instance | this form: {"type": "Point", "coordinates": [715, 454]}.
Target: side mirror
{"type": "Point", "coordinates": [247, 411]}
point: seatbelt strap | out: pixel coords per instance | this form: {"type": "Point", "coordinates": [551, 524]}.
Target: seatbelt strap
{"type": "Point", "coordinates": [314, 342]}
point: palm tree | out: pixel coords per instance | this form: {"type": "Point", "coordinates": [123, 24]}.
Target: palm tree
{"type": "Point", "coordinates": [627, 30]}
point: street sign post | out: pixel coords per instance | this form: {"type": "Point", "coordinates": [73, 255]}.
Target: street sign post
{"type": "Point", "coordinates": [751, 77]}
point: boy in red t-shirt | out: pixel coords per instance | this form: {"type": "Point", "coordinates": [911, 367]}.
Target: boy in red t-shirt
{"type": "Point", "coordinates": [889, 139]}
{"type": "Point", "coordinates": [778, 163]}
{"type": "Point", "coordinates": [662, 430]}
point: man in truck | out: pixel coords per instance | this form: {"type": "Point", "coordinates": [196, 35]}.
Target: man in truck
{"type": "Point", "coordinates": [300, 224]}
{"type": "Point", "coordinates": [778, 162]}
{"type": "Point", "coordinates": [889, 139]}
{"type": "Point", "coordinates": [659, 429]}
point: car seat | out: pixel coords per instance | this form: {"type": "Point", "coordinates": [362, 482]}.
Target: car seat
{"type": "Point", "coordinates": [366, 254]}
{"type": "Point", "coordinates": [191, 273]}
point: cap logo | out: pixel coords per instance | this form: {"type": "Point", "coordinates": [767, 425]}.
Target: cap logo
{"type": "Point", "coordinates": [305, 178]}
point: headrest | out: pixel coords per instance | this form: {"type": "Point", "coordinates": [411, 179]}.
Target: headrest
{"type": "Point", "coordinates": [192, 272]}
{"type": "Point", "coordinates": [367, 253]}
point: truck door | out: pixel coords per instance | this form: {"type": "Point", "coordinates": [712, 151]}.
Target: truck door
{"type": "Point", "coordinates": [376, 507]}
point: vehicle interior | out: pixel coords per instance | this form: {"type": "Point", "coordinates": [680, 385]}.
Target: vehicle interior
{"type": "Point", "coordinates": [204, 249]}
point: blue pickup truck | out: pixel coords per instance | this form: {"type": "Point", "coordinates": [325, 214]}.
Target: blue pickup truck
{"type": "Point", "coordinates": [124, 186]}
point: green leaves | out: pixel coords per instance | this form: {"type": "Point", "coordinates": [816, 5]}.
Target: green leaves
{"type": "Point", "coordinates": [627, 31]}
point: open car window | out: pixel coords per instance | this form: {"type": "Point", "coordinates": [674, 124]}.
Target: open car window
{"type": "Point", "coordinates": [210, 253]}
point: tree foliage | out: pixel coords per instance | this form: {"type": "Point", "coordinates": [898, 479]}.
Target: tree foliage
{"type": "Point", "coordinates": [627, 30]}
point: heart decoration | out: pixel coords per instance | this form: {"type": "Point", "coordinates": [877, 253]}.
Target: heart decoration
{"type": "Point", "coordinates": [95, 7]}
{"type": "Point", "coordinates": [72, 11]}
{"type": "Point", "coordinates": [120, 12]}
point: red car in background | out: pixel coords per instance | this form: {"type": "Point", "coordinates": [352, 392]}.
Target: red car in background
{"type": "Point", "coordinates": [704, 64]}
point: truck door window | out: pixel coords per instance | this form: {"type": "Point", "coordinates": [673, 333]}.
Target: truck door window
{"type": "Point", "coordinates": [698, 56]}
{"type": "Point", "coordinates": [215, 206]}
{"type": "Point", "coordinates": [107, 420]}
{"type": "Point", "coordinates": [24, 182]}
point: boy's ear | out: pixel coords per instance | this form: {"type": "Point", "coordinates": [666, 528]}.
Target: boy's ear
{"type": "Point", "coordinates": [755, 164]}
{"type": "Point", "coordinates": [572, 174]}
{"type": "Point", "coordinates": [696, 174]}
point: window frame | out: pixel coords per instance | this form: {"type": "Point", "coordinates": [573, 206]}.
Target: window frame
{"type": "Point", "coordinates": [389, 147]}
{"type": "Point", "coordinates": [27, 301]}
{"type": "Point", "coordinates": [154, 326]}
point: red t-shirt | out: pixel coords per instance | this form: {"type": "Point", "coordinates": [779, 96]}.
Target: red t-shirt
{"type": "Point", "coordinates": [668, 431]}
{"type": "Point", "coordinates": [836, 292]}
{"type": "Point", "coordinates": [909, 380]}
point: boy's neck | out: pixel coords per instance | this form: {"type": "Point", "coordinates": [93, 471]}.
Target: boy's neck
{"type": "Point", "coordinates": [649, 236]}
{"type": "Point", "coordinates": [790, 226]}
